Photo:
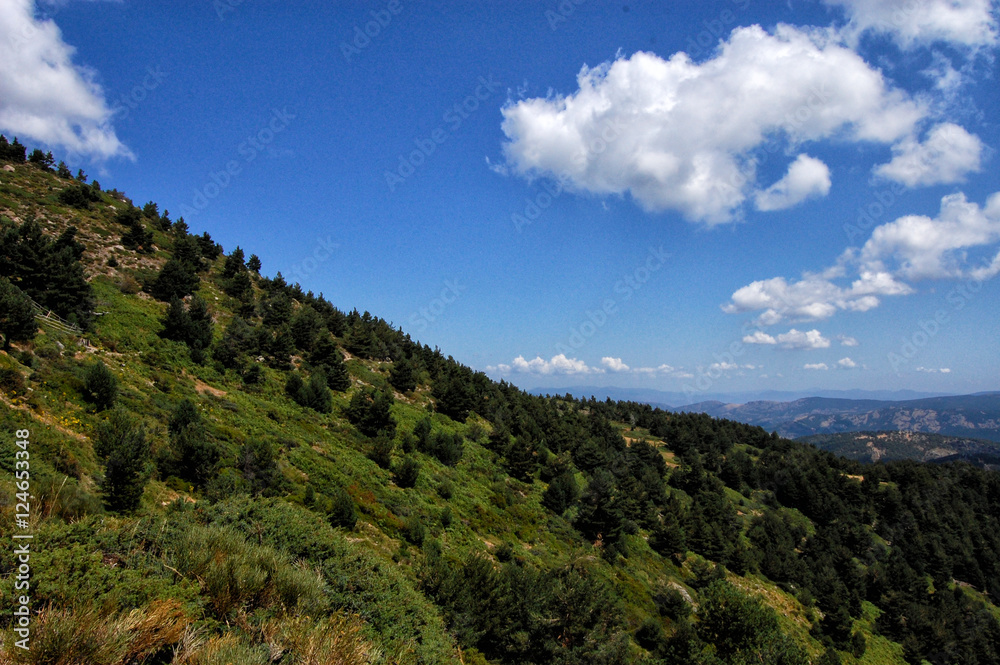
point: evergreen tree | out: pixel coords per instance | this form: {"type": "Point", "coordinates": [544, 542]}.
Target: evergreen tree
{"type": "Point", "coordinates": [100, 386]}
{"type": "Point", "coordinates": [63, 171]}
{"type": "Point", "coordinates": [176, 280]}
{"type": "Point", "coordinates": [233, 264]}
{"type": "Point", "coordinates": [257, 461]}
{"type": "Point", "coordinates": [151, 210]}
{"type": "Point", "coordinates": [561, 493]}
{"type": "Point", "coordinates": [407, 472]}
{"type": "Point", "coordinates": [17, 317]}
{"type": "Point", "coordinates": [253, 263]}
{"type": "Point", "coordinates": [402, 376]}
{"type": "Point", "coordinates": [370, 412]}
{"type": "Point", "coordinates": [193, 455]}
{"type": "Point", "coordinates": [305, 326]}
{"type": "Point", "coordinates": [121, 443]}
{"type": "Point", "coordinates": [342, 512]}
{"type": "Point", "coordinates": [177, 322]}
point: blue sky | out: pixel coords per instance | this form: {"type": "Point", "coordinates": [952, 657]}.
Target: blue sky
{"type": "Point", "coordinates": [553, 192]}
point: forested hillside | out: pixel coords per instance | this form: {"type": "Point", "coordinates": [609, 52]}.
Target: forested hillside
{"type": "Point", "coordinates": [227, 468]}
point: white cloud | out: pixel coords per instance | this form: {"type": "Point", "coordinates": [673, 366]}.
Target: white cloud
{"type": "Point", "coordinates": [44, 96]}
{"type": "Point", "coordinates": [816, 366]}
{"type": "Point", "coordinates": [614, 364]}
{"type": "Point", "coordinates": [795, 339]}
{"type": "Point", "coordinates": [847, 363]}
{"type": "Point", "coordinates": [930, 370]}
{"type": "Point", "coordinates": [814, 297]}
{"type": "Point", "coordinates": [918, 247]}
{"type": "Point", "coordinates": [678, 135]}
{"type": "Point", "coordinates": [847, 341]}
{"type": "Point", "coordinates": [559, 364]}
{"type": "Point", "coordinates": [806, 177]}
{"type": "Point", "coordinates": [946, 156]}
{"type": "Point", "coordinates": [759, 337]}
{"type": "Point", "coordinates": [910, 248]}
{"type": "Point", "coordinates": [969, 23]}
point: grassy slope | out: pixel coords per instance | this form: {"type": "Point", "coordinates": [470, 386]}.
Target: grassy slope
{"type": "Point", "coordinates": [118, 563]}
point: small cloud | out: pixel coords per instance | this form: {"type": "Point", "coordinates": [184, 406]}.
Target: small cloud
{"type": "Point", "coordinates": [759, 337]}
{"type": "Point", "coordinates": [499, 169]}
{"type": "Point", "coordinates": [847, 341]}
{"type": "Point", "coordinates": [807, 177]}
{"type": "Point", "coordinates": [723, 367]}
{"type": "Point", "coordinates": [816, 366]}
{"type": "Point", "coordinates": [795, 339]}
{"type": "Point", "coordinates": [614, 364]}
{"type": "Point", "coordinates": [847, 363]}
{"type": "Point", "coordinates": [932, 370]}
{"type": "Point", "coordinates": [946, 156]}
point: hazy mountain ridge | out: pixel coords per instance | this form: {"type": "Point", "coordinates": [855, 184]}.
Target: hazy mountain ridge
{"type": "Point", "coordinates": [971, 416]}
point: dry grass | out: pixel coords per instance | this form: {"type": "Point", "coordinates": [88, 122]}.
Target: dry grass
{"type": "Point", "coordinates": [86, 637]}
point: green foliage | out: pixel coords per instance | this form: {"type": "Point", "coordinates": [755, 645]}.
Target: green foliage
{"type": "Point", "coordinates": [402, 376]}
{"type": "Point", "coordinates": [370, 411]}
{"type": "Point", "coordinates": [743, 629]}
{"type": "Point", "coordinates": [192, 455]}
{"type": "Point", "coordinates": [342, 512]}
{"type": "Point", "coordinates": [79, 196]}
{"type": "Point", "coordinates": [406, 472]}
{"type": "Point", "coordinates": [13, 151]}
{"type": "Point", "coordinates": [100, 386]}
{"type": "Point", "coordinates": [257, 460]}
{"type": "Point", "coordinates": [191, 325]}
{"type": "Point", "coordinates": [121, 443]}
{"type": "Point", "coordinates": [381, 450]}
{"type": "Point", "coordinates": [177, 279]}
{"type": "Point", "coordinates": [561, 493]}
{"type": "Point", "coordinates": [49, 271]}
{"type": "Point", "coordinates": [313, 395]}
{"type": "Point", "coordinates": [17, 318]}
{"type": "Point", "coordinates": [253, 264]}
{"type": "Point", "coordinates": [447, 447]}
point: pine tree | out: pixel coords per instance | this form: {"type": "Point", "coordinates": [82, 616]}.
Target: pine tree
{"type": "Point", "coordinates": [100, 386]}
{"type": "Point", "coordinates": [369, 411]}
{"type": "Point", "coordinates": [17, 318]}
{"type": "Point", "coordinates": [233, 264]}
{"type": "Point", "coordinates": [402, 376]}
{"type": "Point", "coordinates": [177, 322]}
{"type": "Point", "coordinates": [176, 280]}
{"type": "Point", "coordinates": [342, 512]}
{"type": "Point", "coordinates": [253, 263]}
{"type": "Point", "coordinates": [121, 443]}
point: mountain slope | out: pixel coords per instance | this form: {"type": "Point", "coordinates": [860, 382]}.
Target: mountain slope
{"type": "Point", "coordinates": [875, 446]}
{"type": "Point", "coordinates": [970, 416]}
{"type": "Point", "coordinates": [226, 468]}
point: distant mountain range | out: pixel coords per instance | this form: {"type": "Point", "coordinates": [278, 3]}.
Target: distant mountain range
{"type": "Point", "coordinates": [967, 416]}
{"type": "Point", "coordinates": [669, 399]}
{"type": "Point", "coordinates": [921, 446]}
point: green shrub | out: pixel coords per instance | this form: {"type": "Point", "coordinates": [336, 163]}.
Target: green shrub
{"type": "Point", "coordinates": [407, 472]}
{"type": "Point", "coordinates": [121, 443]}
{"type": "Point", "coordinates": [100, 386]}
